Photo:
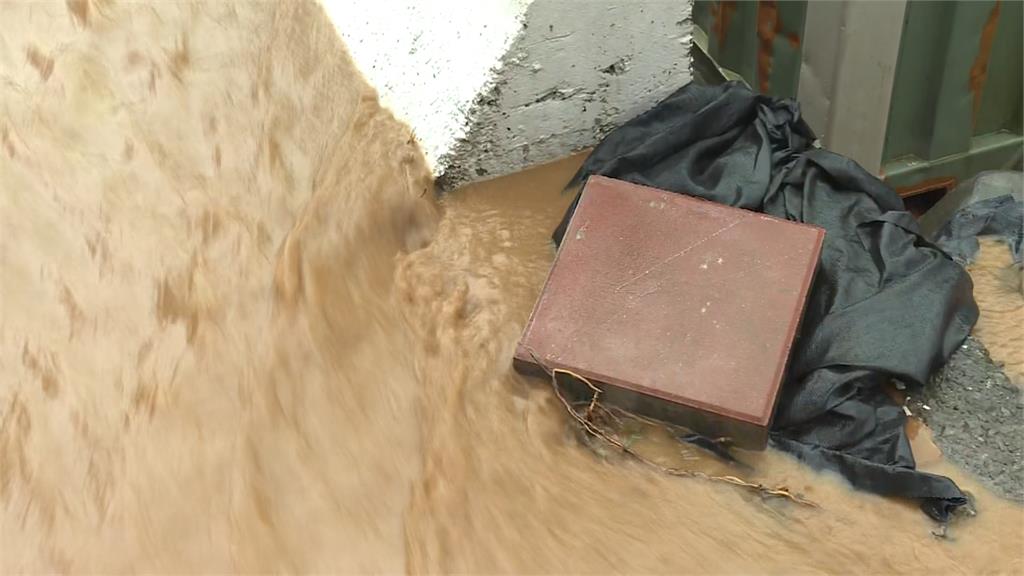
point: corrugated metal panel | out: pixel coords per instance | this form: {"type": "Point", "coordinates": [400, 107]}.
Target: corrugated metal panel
{"type": "Point", "coordinates": [956, 103]}
{"type": "Point", "coordinates": [920, 92]}
{"type": "Point", "coordinates": [850, 50]}
{"type": "Point", "coordinates": [760, 41]}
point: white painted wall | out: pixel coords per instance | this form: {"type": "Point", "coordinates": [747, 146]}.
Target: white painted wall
{"type": "Point", "coordinates": [493, 86]}
{"type": "Point", "coordinates": [428, 59]}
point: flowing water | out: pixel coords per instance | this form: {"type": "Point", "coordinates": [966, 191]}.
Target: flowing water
{"type": "Point", "coordinates": [1000, 295]}
{"type": "Point", "coordinates": [240, 335]}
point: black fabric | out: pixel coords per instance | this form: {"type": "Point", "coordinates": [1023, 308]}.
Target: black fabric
{"type": "Point", "coordinates": [1002, 216]}
{"type": "Point", "coordinates": [885, 303]}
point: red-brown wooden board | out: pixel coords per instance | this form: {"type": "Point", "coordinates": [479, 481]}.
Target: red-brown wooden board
{"type": "Point", "coordinates": [680, 308]}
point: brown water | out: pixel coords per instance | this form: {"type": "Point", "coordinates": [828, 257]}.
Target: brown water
{"type": "Point", "coordinates": [238, 335]}
{"type": "Point", "coordinates": [997, 288]}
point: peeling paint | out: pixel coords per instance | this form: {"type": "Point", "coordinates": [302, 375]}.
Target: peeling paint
{"type": "Point", "coordinates": [616, 68]}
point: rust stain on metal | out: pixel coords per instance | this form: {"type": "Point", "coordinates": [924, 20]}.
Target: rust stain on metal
{"type": "Point", "coordinates": [979, 70]}
{"type": "Point", "coordinates": [925, 186]}
{"type": "Point", "coordinates": [722, 13]}
{"type": "Point", "coordinates": [769, 25]}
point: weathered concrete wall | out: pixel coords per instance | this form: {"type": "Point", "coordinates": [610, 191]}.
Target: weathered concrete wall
{"type": "Point", "coordinates": [577, 69]}
{"type": "Point", "coordinates": [492, 86]}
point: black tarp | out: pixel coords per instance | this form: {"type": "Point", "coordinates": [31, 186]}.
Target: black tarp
{"type": "Point", "coordinates": [1002, 217]}
{"type": "Point", "coordinates": [885, 303]}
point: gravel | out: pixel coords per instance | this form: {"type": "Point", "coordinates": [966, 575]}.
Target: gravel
{"type": "Point", "coordinates": [977, 417]}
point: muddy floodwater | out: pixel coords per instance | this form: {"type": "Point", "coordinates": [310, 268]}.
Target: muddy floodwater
{"type": "Point", "coordinates": [1000, 296]}
{"type": "Point", "coordinates": [239, 334]}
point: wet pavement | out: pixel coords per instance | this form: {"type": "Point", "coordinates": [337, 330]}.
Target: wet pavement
{"type": "Point", "coordinates": [977, 418]}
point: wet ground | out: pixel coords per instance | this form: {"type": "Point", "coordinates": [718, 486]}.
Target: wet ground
{"type": "Point", "coordinates": [974, 404]}
{"type": "Point", "coordinates": [977, 418]}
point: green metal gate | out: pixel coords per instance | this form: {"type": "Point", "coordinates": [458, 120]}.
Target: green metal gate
{"type": "Point", "coordinates": [923, 93]}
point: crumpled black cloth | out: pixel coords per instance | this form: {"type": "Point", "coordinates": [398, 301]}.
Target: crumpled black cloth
{"type": "Point", "coordinates": [1002, 216]}
{"type": "Point", "coordinates": [885, 303]}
